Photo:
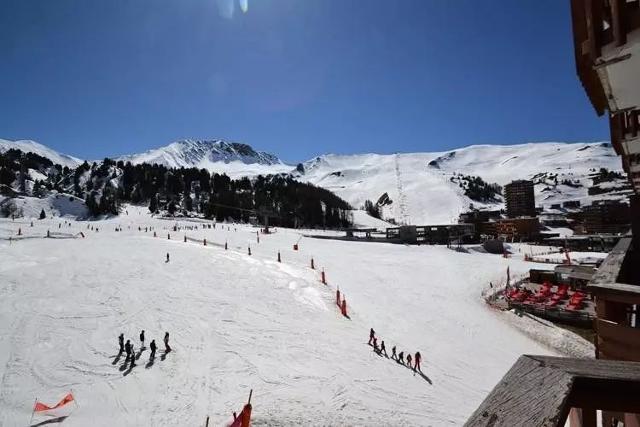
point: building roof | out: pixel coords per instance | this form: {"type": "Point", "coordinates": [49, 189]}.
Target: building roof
{"type": "Point", "coordinates": [580, 272]}
{"type": "Point", "coordinates": [540, 390]}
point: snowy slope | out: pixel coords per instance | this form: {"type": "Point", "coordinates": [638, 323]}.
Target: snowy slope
{"type": "Point", "coordinates": [234, 159]}
{"type": "Point", "coordinates": [240, 322]}
{"type": "Point", "coordinates": [41, 150]}
{"type": "Point", "coordinates": [54, 204]}
{"type": "Point", "coordinates": [419, 183]}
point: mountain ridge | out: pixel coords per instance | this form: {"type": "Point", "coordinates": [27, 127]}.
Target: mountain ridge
{"type": "Point", "coordinates": [420, 187]}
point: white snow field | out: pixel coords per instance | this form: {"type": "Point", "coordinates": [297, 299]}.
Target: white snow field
{"type": "Point", "coordinates": [421, 190]}
{"type": "Point", "coordinates": [240, 322]}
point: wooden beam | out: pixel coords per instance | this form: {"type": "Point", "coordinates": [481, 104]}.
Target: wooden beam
{"type": "Point", "coordinates": [618, 21]}
{"type": "Point", "coordinates": [594, 9]}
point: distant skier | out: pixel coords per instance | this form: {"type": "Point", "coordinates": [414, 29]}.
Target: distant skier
{"type": "Point", "coordinates": [142, 339]}
{"type": "Point", "coordinates": [372, 335]}
{"type": "Point", "coordinates": [121, 342]}
{"type": "Point", "coordinates": [383, 349]}
{"type": "Point", "coordinates": [401, 357]}
{"type": "Point", "coordinates": [167, 257]}
{"type": "Point", "coordinates": [409, 360]}
{"type": "Point", "coordinates": [127, 349]}
{"type": "Point", "coordinates": [393, 353]}
{"type": "Point", "coordinates": [417, 360]}
{"type": "Point", "coordinates": [133, 357]}
{"type": "Point", "coordinates": [167, 349]}
{"type": "Point", "coordinates": [152, 346]}
{"type": "Point", "coordinates": [375, 345]}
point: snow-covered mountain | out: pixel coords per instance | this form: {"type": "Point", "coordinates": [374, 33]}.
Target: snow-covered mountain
{"type": "Point", "coordinates": [234, 159]}
{"type": "Point", "coordinates": [424, 187]}
{"type": "Point", "coordinates": [33, 147]}
{"type": "Point", "coordinates": [420, 188]}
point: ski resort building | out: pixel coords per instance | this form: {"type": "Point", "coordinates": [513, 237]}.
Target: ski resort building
{"type": "Point", "coordinates": [520, 198]}
{"type": "Point", "coordinates": [549, 391]}
{"type": "Point", "coordinates": [606, 216]}
{"type": "Point", "coordinates": [518, 229]}
{"type": "Point", "coordinates": [431, 234]}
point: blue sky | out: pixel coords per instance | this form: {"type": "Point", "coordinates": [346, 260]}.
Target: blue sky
{"type": "Point", "coordinates": [294, 77]}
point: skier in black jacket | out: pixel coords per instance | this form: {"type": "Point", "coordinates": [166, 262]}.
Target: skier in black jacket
{"type": "Point", "coordinates": [152, 346]}
{"type": "Point", "coordinates": [167, 349]}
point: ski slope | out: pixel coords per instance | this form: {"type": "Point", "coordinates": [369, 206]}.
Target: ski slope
{"type": "Point", "coordinates": [420, 183]}
{"type": "Point", "coordinates": [240, 322]}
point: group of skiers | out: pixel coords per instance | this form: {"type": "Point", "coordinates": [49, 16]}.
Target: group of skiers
{"type": "Point", "coordinates": [128, 347]}
{"type": "Point", "coordinates": [411, 362]}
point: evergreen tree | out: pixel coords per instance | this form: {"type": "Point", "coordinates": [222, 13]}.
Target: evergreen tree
{"type": "Point", "coordinates": [42, 214]}
{"type": "Point", "coordinates": [153, 203]}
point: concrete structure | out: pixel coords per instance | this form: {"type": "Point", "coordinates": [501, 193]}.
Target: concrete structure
{"type": "Point", "coordinates": [520, 199]}
{"type": "Point", "coordinates": [606, 216]}
{"type": "Point", "coordinates": [483, 222]}
{"type": "Point", "coordinates": [431, 234]}
{"type": "Point", "coordinates": [586, 242]}
{"type": "Point", "coordinates": [518, 229]}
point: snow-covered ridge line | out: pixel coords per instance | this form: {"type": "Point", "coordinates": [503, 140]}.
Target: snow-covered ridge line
{"type": "Point", "coordinates": [29, 146]}
{"type": "Point", "coordinates": [423, 188]}
{"type": "Point", "coordinates": [189, 153]}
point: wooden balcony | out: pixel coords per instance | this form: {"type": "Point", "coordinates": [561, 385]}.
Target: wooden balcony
{"type": "Point", "coordinates": [601, 31]}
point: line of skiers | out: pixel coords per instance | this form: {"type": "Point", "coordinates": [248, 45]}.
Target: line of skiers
{"type": "Point", "coordinates": [398, 357]}
{"type": "Point", "coordinates": [129, 349]}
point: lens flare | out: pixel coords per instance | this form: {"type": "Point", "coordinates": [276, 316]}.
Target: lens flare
{"type": "Point", "coordinates": [226, 8]}
{"type": "Point", "coordinates": [244, 5]}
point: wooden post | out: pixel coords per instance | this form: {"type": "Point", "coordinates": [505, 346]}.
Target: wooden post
{"type": "Point", "coordinates": [225, 246]}
{"type": "Point", "coordinates": [33, 411]}
{"type": "Point", "coordinates": [207, 423]}
{"type": "Point", "coordinates": [279, 259]}
{"type": "Point", "coordinates": [205, 242]}
{"type": "Point", "coordinates": [185, 238]}
{"type": "Point", "coordinates": [313, 267]}
{"type": "Point", "coordinates": [249, 250]}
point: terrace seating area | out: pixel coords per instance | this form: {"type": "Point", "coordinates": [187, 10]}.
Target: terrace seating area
{"type": "Point", "coordinates": [548, 297]}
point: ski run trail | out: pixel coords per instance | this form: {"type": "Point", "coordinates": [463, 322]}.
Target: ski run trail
{"type": "Point", "coordinates": [240, 322]}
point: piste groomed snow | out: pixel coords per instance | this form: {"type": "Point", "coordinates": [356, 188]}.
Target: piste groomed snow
{"type": "Point", "coordinates": [240, 322]}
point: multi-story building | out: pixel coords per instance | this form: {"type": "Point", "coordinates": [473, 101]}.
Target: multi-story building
{"type": "Point", "coordinates": [606, 217]}
{"type": "Point", "coordinates": [518, 229]}
{"type": "Point", "coordinates": [520, 199]}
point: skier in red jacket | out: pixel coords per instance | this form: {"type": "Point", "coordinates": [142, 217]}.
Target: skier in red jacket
{"type": "Point", "coordinates": [416, 360]}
